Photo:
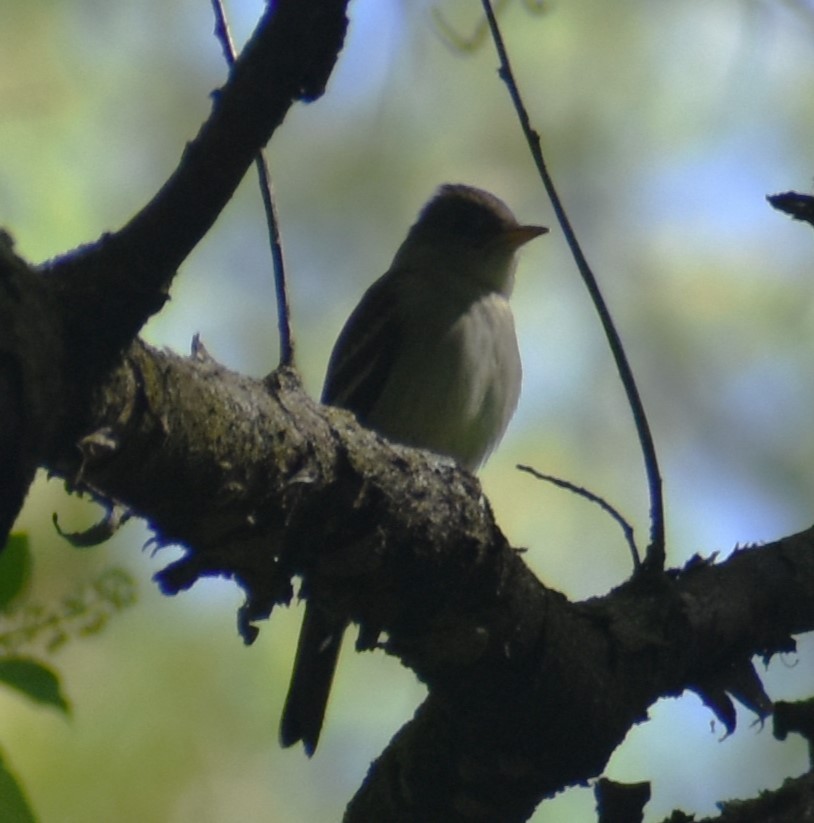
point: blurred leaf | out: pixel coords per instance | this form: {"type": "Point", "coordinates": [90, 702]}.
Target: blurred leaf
{"type": "Point", "coordinates": [35, 680]}
{"type": "Point", "coordinates": [116, 587]}
{"type": "Point", "coordinates": [14, 806]}
{"type": "Point", "coordinates": [15, 568]}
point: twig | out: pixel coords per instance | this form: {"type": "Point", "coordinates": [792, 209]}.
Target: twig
{"type": "Point", "coordinates": [603, 504]}
{"type": "Point", "coordinates": [796, 205]}
{"type": "Point", "coordinates": [457, 41]}
{"type": "Point", "coordinates": [654, 559]}
{"type": "Point", "coordinates": [461, 43]}
{"type": "Point", "coordinates": [267, 193]}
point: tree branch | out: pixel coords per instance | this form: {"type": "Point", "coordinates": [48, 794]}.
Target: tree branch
{"type": "Point", "coordinates": [793, 802]}
{"type": "Point", "coordinates": [655, 555]}
{"type": "Point", "coordinates": [269, 206]}
{"type": "Point", "coordinates": [60, 333]}
{"type": "Point", "coordinates": [30, 356]}
{"type": "Point", "coordinates": [109, 288]}
{"type": "Point", "coordinates": [529, 693]}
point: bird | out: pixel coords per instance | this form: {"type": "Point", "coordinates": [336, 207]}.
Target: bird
{"type": "Point", "coordinates": [429, 359]}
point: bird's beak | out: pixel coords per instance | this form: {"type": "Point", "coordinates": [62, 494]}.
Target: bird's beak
{"type": "Point", "coordinates": [520, 235]}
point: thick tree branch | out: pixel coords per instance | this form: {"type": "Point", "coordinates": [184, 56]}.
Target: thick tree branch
{"type": "Point", "coordinates": [30, 355]}
{"type": "Point", "coordinates": [60, 333]}
{"type": "Point", "coordinates": [528, 693]}
{"type": "Point", "coordinates": [108, 289]}
{"type": "Point", "coordinates": [793, 802]}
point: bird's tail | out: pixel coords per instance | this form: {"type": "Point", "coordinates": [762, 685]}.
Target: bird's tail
{"type": "Point", "coordinates": [314, 667]}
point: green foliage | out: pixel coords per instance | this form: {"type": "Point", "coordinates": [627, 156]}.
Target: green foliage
{"type": "Point", "coordinates": [15, 569]}
{"type": "Point", "coordinates": [35, 680]}
{"type": "Point", "coordinates": [26, 624]}
{"type": "Point", "coordinates": [14, 806]}
{"type": "Point", "coordinates": [79, 614]}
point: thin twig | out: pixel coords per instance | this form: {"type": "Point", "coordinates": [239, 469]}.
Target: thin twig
{"type": "Point", "coordinates": [654, 559]}
{"type": "Point", "coordinates": [603, 504]}
{"type": "Point", "coordinates": [458, 41]}
{"type": "Point", "coordinates": [796, 205]}
{"type": "Point", "coordinates": [267, 193]}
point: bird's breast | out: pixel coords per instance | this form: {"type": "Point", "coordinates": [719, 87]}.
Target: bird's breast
{"type": "Point", "coordinates": [455, 384]}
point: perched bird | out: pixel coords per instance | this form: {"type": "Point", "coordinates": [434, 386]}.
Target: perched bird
{"type": "Point", "coordinates": [429, 359]}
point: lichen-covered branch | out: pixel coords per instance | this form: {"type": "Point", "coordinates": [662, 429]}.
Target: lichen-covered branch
{"type": "Point", "coordinates": [528, 693]}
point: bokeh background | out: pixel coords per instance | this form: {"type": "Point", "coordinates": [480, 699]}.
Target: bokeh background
{"type": "Point", "coordinates": [664, 125]}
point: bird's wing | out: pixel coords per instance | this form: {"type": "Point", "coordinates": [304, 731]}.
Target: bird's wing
{"type": "Point", "coordinates": [358, 368]}
{"type": "Point", "coordinates": [365, 351]}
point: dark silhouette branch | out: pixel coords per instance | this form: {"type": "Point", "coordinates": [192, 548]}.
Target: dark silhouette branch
{"type": "Point", "coordinates": [655, 557]}
{"type": "Point", "coordinates": [793, 802]}
{"type": "Point", "coordinates": [621, 802]}
{"type": "Point", "coordinates": [30, 391]}
{"type": "Point", "coordinates": [109, 288]}
{"type": "Point", "coordinates": [528, 693]}
{"type": "Point", "coordinates": [580, 491]}
{"type": "Point", "coordinates": [796, 205]}
{"type": "Point", "coordinates": [267, 194]}
{"type": "Point", "coordinates": [61, 332]}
